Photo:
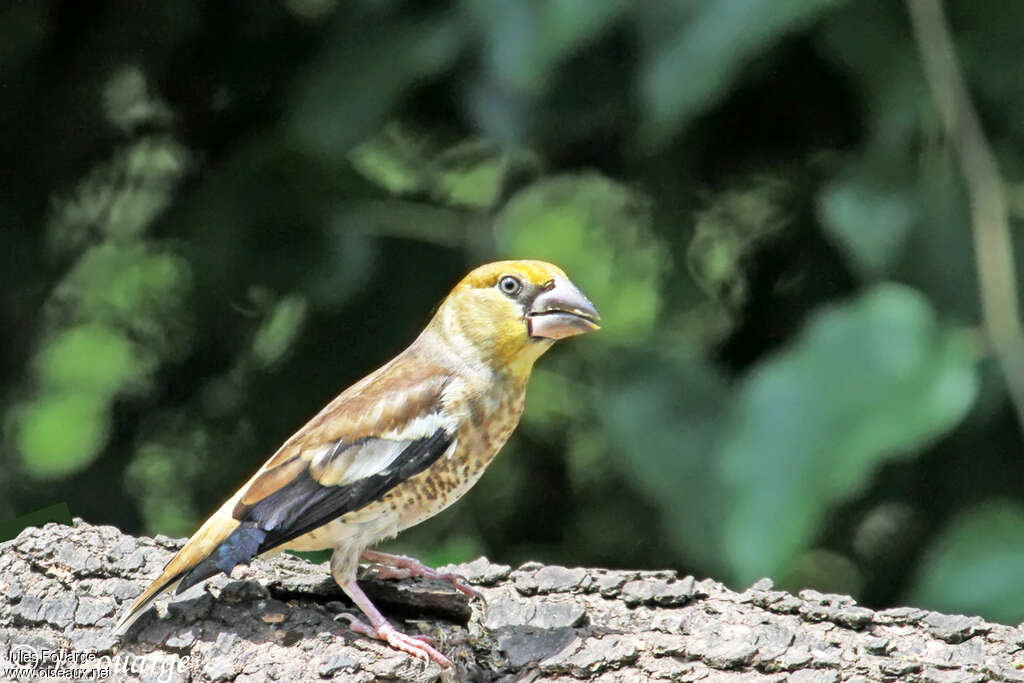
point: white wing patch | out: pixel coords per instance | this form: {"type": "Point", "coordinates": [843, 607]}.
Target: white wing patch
{"type": "Point", "coordinates": [355, 462]}
{"type": "Point", "coordinates": [340, 463]}
{"type": "Point", "coordinates": [422, 426]}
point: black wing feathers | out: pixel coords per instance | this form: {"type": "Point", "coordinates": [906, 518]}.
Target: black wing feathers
{"type": "Point", "coordinates": [307, 504]}
{"type": "Point", "coordinates": [304, 504]}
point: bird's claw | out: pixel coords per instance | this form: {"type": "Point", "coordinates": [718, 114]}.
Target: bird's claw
{"type": "Point", "coordinates": [458, 584]}
{"type": "Point", "coordinates": [407, 567]}
{"type": "Point", "coordinates": [418, 646]}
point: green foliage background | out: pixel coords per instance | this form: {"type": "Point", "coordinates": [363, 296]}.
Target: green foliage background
{"type": "Point", "coordinates": [215, 216]}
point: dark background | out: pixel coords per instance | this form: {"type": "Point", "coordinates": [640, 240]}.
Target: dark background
{"type": "Point", "coordinates": [215, 216]}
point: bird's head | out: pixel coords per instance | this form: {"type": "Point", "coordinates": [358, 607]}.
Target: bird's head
{"type": "Point", "coordinates": [510, 312]}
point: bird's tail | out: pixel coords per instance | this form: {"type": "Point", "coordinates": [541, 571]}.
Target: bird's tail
{"type": "Point", "coordinates": [196, 550]}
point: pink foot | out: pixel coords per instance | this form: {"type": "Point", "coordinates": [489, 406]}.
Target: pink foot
{"type": "Point", "coordinates": [417, 646]}
{"type": "Point", "coordinates": [401, 567]}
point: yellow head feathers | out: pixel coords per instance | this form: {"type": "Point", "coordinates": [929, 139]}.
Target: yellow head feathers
{"type": "Point", "coordinates": [510, 312]}
{"type": "Point", "coordinates": [538, 273]}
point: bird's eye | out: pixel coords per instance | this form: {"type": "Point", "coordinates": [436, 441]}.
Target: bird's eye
{"type": "Point", "coordinates": [510, 286]}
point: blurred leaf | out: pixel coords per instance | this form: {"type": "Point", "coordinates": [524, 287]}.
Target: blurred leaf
{"type": "Point", "coordinates": [727, 232]}
{"type": "Point", "coordinates": [347, 260]}
{"type": "Point", "coordinates": [92, 358]}
{"type": "Point", "coordinates": [120, 198]}
{"type": "Point", "coordinates": [129, 102]}
{"type": "Point", "coordinates": [938, 258]}
{"type": "Point", "coordinates": [175, 446]}
{"type": "Point", "coordinates": [186, 447]}
{"type": "Point", "coordinates": [524, 40]}
{"type": "Point", "coordinates": [896, 208]}
{"type": "Point", "coordinates": [398, 218]}
{"type": "Point", "coordinates": [395, 159]}
{"type": "Point", "coordinates": [975, 564]}
{"type": "Point", "coordinates": [470, 174]}
{"type": "Point", "coordinates": [688, 71]}
{"type": "Point", "coordinates": [868, 41]}
{"type": "Point", "coordinates": [664, 424]}
{"type": "Point", "coordinates": [177, 459]}
{"type": "Point", "coordinates": [59, 434]}
{"type": "Point", "coordinates": [135, 286]}
{"type": "Point", "coordinates": [870, 224]}
{"type": "Point", "coordinates": [278, 331]}
{"type": "Point", "coordinates": [697, 329]}
{"type": "Point", "coordinates": [473, 173]}
{"type": "Point", "coordinates": [866, 382]}
{"type": "Point", "coordinates": [522, 43]}
{"type": "Point", "coordinates": [902, 176]}
{"type": "Point", "coordinates": [358, 76]}
{"type": "Point", "coordinates": [599, 232]}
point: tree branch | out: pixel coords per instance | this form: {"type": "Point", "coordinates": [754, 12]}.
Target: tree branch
{"type": "Point", "coordinates": [993, 245]}
{"type": "Point", "coordinates": [61, 589]}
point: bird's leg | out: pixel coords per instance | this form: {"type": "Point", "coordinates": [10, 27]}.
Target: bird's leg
{"type": "Point", "coordinates": [402, 567]}
{"type": "Point", "coordinates": [379, 627]}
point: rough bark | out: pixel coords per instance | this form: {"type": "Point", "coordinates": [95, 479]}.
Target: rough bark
{"type": "Point", "coordinates": [61, 589]}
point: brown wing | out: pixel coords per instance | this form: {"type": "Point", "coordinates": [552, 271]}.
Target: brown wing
{"type": "Point", "coordinates": [400, 401]}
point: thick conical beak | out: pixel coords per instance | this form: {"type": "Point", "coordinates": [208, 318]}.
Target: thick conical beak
{"type": "Point", "coordinates": [561, 311]}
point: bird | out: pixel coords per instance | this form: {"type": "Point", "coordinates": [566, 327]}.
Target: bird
{"type": "Point", "coordinates": [396, 447]}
